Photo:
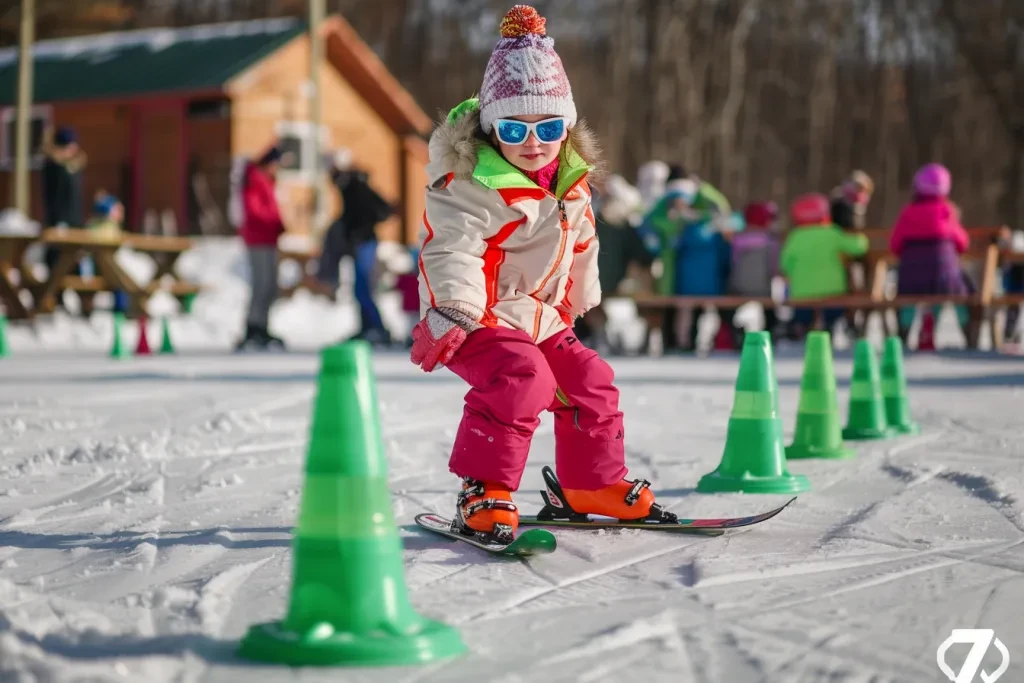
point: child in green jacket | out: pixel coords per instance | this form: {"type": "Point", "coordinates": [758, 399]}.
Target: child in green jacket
{"type": "Point", "coordinates": [812, 257]}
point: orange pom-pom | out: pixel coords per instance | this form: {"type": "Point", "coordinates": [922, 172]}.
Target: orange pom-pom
{"type": "Point", "coordinates": [521, 20]}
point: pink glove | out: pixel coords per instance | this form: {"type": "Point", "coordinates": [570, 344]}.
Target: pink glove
{"type": "Point", "coordinates": [437, 337]}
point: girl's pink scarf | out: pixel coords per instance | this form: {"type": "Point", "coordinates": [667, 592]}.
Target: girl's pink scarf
{"type": "Point", "coordinates": [546, 177]}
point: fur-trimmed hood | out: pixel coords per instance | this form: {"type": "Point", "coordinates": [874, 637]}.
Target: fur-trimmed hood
{"type": "Point", "coordinates": [454, 144]}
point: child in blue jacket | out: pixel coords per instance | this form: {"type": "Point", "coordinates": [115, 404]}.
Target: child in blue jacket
{"type": "Point", "coordinates": [703, 259]}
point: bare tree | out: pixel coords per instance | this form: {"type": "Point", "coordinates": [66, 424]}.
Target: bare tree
{"type": "Point", "coordinates": [765, 99]}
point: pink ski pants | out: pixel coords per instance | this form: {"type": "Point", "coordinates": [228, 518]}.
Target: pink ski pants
{"type": "Point", "coordinates": [513, 380]}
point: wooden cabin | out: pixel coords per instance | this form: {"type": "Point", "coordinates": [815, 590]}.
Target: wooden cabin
{"type": "Point", "coordinates": [164, 114]}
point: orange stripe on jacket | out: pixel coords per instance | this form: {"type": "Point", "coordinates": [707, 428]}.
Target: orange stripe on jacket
{"type": "Point", "coordinates": [511, 195]}
{"type": "Point", "coordinates": [577, 248]}
{"type": "Point", "coordinates": [494, 256]}
{"type": "Point", "coordinates": [423, 269]}
{"type": "Point", "coordinates": [448, 178]}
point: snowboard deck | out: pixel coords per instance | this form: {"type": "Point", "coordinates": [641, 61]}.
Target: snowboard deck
{"type": "Point", "coordinates": [526, 543]}
{"type": "Point", "coordinates": [709, 527]}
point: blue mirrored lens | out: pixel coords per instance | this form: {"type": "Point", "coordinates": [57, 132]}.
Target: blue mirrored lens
{"type": "Point", "coordinates": [549, 131]}
{"type": "Point", "coordinates": [511, 132]}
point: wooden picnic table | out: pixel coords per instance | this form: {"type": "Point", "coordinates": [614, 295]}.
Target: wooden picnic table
{"type": "Point", "coordinates": [74, 243]}
{"type": "Point", "coordinates": [71, 245]}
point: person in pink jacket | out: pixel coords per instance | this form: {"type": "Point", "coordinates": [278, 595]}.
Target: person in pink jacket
{"type": "Point", "coordinates": [508, 262]}
{"type": "Point", "coordinates": [260, 230]}
{"type": "Point", "coordinates": [929, 239]}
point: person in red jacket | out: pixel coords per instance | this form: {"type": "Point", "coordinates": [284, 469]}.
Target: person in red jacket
{"type": "Point", "coordinates": [260, 230]}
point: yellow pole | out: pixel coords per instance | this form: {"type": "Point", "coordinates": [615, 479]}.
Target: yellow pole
{"type": "Point", "coordinates": [316, 59]}
{"type": "Point", "coordinates": [23, 127]}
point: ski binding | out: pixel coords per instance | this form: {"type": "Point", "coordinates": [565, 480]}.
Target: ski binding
{"type": "Point", "coordinates": [525, 544]}
{"type": "Point", "coordinates": [558, 513]}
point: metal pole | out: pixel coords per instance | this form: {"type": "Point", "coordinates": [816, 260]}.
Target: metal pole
{"type": "Point", "coordinates": [23, 127]}
{"type": "Point", "coordinates": [316, 59]}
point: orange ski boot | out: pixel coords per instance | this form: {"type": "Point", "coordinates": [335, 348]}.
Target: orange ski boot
{"type": "Point", "coordinates": [487, 508]}
{"type": "Point", "coordinates": [623, 500]}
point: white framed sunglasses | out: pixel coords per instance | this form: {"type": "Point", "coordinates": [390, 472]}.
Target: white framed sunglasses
{"type": "Point", "coordinates": [513, 132]}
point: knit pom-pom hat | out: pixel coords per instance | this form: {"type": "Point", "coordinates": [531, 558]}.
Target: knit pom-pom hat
{"type": "Point", "coordinates": [524, 75]}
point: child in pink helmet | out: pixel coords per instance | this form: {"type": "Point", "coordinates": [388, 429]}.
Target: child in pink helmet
{"type": "Point", "coordinates": [928, 239]}
{"type": "Point", "coordinates": [508, 262]}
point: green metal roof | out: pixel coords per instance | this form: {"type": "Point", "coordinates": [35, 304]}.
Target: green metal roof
{"type": "Point", "coordinates": [145, 62]}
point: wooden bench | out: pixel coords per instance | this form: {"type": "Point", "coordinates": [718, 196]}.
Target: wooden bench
{"type": "Point", "coordinates": [983, 250]}
{"type": "Point", "coordinates": [86, 288]}
{"type": "Point", "coordinates": [1007, 299]}
{"type": "Point", "coordinates": [652, 308]}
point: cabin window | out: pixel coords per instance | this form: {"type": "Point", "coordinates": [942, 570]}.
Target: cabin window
{"type": "Point", "coordinates": [218, 108]}
{"type": "Point", "coordinates": [296, 141]}
{"type": "Point", "coordinates": [41, 116]}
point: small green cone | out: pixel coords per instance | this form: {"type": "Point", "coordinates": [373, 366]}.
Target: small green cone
{"type": "Point", "coordinates": [186, 303]}
{"type": "Point", "coordinates": [894, 389]}
{"type": "Point", "coordinates": [818, 431]}
{"type": "Point", "coordinates": [118, 350]}
{"type": "Point", "coordinates": [165, 344]}
{"type": "Point", "coordinates": [348, 602]}
{"type": "Point", "coordinates": [5, 349]}
{"type": "Point", "coordinates": [754, 460]}
{"type": "Point", "coordinates": [866, 417]}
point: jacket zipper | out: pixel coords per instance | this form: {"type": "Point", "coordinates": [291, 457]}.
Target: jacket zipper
{"type": "Point", "coordinates": [563, 220]}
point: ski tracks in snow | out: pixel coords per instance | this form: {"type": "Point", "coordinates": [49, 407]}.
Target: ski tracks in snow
{"type": "Point", "coordinates": [140, 537]}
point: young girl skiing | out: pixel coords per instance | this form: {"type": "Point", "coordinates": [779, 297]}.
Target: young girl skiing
{"type": "Point", "coordinates": [508, 262]}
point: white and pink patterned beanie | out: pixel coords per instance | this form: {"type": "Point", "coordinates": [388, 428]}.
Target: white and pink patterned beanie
{"type": "Point", "coordinates": [524, 75]}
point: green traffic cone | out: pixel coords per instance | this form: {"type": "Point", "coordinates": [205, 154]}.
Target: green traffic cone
{"type": "Point", "coordinates": [818, 431]}
{"type": "Point", "coordinates": [348, 603]}
{"type": "Point", "coordinates": [754, 460]}
{"type": "Point", "coordinates": [894, 389]}
{"type": "Point", "coordinates": [866, 417]}
{"type": "Point", "coordinates": [118, 350]}
{"type": "Point", "coordinates": [165, 344]}
{"type": "Point", "coordinates": [5, 349]}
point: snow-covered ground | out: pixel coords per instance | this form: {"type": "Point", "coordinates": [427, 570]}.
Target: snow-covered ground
{"type": "Point", "coordinates": [146, 507]}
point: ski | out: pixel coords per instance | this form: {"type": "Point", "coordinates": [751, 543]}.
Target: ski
{"type": "Point", "coordinates": [526, 544]}
{"type": "Point", "coordinates": [610, 523]}
{"type": "Point", "coordinates": [558, 513]}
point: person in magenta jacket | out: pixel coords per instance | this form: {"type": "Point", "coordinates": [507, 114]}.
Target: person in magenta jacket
{"type": "Point", "coordinates": [261, 227]}
{"type": "Point", "coordinates": [928, 239]}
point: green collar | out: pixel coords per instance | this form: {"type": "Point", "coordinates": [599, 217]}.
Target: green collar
{"type": "Point", "coordinates": [494, 171]}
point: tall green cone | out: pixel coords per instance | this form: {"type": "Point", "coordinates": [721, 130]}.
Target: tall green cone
{"type": "Point", "coordinates": [818, 431]}
{"type": "Point", "coordinates": [754, 460]}
{"type": "Point", "coordinates": [866, 417]}
{"type": "Point", "coordinates": [165, 343]}
{"type": "Point", "coordinates": [348, 602]}
{"type": "Point", "coordinates": [5, 349]}
{"type": "Point", "coordinates": [118, 349]}
{"type": "Point", "coordinates": [894, 388]}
